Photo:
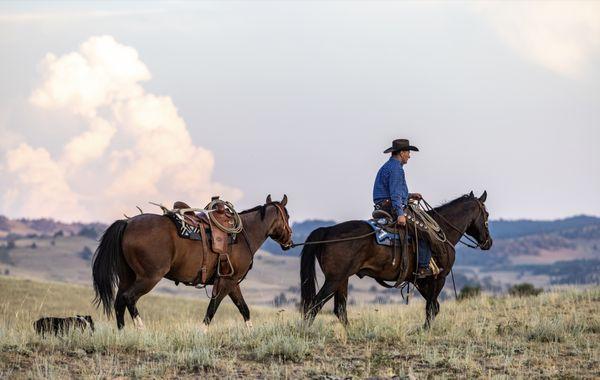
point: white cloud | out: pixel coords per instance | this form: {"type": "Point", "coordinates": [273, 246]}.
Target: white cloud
{"type": "Point", "coordinates": [561, 36]}
{"type": "Point", "coordinates": [89, 145]}
{"type": "Point", "coordinates": [102, 72]}
{"type": "Point", "coordinates": [38, 185]}
{"type": "Point", "coordinates": [135, 148]}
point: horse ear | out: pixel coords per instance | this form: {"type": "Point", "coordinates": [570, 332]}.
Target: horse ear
{"type": "Point", "coordinates": [269, 199]}
{"type": "Point", "coordinates": [483, 196]}
{"type": "Point", "coordinates": [471, 194]}
{"type": "Point", "coordinates": [284, 200]}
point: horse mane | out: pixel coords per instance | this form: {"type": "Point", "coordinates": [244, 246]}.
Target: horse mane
{"type": "Point", "coordinates": [453, 202]}
{"type": "Point", "coordinates": [261, 208]}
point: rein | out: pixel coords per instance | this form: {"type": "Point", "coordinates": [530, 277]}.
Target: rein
{"type": "Point", "coordinates": [475, 244]}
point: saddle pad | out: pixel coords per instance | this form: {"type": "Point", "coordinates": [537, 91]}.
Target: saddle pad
{"type": "Point", "coordinates": [382, 236]}
{"type": "Point", "coordinates": [184, 230]}
{"type": "Point", "coordinates": [189, 231]}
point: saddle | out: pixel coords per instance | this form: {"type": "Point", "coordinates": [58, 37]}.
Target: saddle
{"type": "Point", "coordinates": [415, 225]}
{"type": "Point", "coordinates": [199, 226]}
{"type": "Point", "coordinates": [388, 233]}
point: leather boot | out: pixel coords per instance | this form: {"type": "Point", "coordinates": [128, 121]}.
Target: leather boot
{"type": "Point", "coordinates": [424, 272]}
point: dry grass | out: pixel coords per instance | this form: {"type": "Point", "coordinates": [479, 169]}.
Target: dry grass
{"type": "Point", "coordinates": [553, 335]}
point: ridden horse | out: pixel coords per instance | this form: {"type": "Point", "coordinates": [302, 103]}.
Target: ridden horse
{"type": "Point", "coordinates": [135, 254]}
{"type": "Point", "coordinates": [364, 257]}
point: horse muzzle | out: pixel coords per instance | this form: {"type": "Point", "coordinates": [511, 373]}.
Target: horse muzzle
{"type": "Point", "coordinates": [487, 245]}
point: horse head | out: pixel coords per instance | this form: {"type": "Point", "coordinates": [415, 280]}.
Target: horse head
{"type": "Point", "coordinates": [479, 226]}
{"type": "Point", "coordinates": [281, 231]}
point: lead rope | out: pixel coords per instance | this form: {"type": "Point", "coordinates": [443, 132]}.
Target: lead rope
{"type": "Point", "coordinates": [332, 241]}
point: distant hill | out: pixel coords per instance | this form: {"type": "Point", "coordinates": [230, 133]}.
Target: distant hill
{"type": "Point", "coordinates": [516, 228]}
{"type": "Point", "coordinates": [45, 227]}
{"type": "Point", "coordinates": [563, 251]}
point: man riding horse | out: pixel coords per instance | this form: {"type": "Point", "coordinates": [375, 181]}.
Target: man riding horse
{"type": "Point", "coordinates": [390, 194]}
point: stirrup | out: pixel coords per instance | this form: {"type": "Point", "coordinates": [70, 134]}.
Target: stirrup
{"type": "Point", "coordinates": [228, 263]}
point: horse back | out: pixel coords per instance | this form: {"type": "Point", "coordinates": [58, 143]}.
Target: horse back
{"type": "Point", "coordinates": [149, 243]}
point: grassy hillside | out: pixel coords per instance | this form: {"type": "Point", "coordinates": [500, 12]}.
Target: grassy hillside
{"type": "Point", "coordinates": [552, 335]}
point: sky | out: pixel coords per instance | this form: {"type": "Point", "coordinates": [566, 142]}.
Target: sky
{"type": "Point", "coordinates": [106, 106]}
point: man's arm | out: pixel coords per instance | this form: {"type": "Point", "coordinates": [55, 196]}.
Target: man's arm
{"type": "Point", "coordinates": [396, 183]}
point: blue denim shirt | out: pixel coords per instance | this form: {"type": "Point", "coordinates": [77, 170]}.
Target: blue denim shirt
{"type": "Point", "coordinates": [391, 184]}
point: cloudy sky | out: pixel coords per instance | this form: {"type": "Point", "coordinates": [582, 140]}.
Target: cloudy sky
{"type": "Point", "coordinates": [105, 106]}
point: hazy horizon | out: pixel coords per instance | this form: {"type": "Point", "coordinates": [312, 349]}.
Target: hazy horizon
{"type": "Point", "coordinates": [107, 106]}
{"type": "Point", "coordinates": [157, 211]}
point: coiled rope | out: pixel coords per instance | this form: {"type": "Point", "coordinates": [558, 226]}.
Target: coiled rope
{"type": "Point", "coordinates": [237, 220]}
{"type": "Point", "coordinates": [427, 220]}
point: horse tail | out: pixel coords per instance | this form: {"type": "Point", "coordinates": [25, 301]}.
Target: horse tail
{"type": "Point", "coordinates": [308, 274]}
{"type": "Point", "coordinates": [108, 262]}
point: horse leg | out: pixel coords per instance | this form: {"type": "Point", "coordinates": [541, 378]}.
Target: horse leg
{"type": "Point", "coordinates": [120, 305]}
{"type": "Point", "coordinates": [238, 299]}
{"type": "Point", "coordinates": [438, 285]}
{"type": "Point", "coordinates": [430, 290]}
{"type": "Point", "coordinates": [339, 302]}
{"type": "Point", "coordinates": [325, 293]}
{"type": "Point", "coordinates": [140, 287]}
{"type": "Point", "coordinates": [225, 287]}
{"type": "Point", "coordinates": [125, 282]}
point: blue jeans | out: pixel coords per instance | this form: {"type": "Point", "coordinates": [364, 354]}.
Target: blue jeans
{"type": "Point", "coordinates": [424, 253]}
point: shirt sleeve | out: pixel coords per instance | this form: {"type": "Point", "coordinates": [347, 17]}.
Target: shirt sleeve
{"type": "Point", "coordinates": [397, 183]}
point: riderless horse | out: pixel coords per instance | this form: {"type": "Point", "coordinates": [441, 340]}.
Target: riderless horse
{"type": "Point", "coordinates": [135, 254]}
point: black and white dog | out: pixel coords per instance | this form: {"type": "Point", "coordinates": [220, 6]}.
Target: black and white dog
{"type": "Point", "coordinates": [57, 325]}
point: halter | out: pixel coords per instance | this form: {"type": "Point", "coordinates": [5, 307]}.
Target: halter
{"type": "Point", "coordinates": [286, 226]}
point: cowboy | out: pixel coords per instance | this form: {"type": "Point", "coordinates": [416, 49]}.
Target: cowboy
{"type": "Point", "coordinates": [390, 194]}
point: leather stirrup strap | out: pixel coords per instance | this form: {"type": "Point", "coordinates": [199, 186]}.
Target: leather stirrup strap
{"type": "Point", "coordinates": [203, 274]}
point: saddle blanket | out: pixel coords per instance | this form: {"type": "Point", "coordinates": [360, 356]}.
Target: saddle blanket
{"type": "Point", "coordinates": [185, 230]}
{"type": "Point", "coordinates": [382, 236]}
{"type": "Point", "coordinates": [188, 231]}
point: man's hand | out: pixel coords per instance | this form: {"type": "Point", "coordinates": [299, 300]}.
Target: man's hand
{"type": "Point", "coordinates": [401, 220]}
{"type": "Point", "coordinates": [416, 196]}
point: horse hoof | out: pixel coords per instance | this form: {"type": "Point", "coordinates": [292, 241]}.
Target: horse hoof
{"type": "Point", "coordinates": [137, 322]}
{"type": "Point", "coordinates": [249, 324]}
{"type": "Point", "coordinates": [204, 328]}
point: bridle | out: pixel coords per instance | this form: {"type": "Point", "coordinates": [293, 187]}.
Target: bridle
{"type": "Point", "coordinates": [286, 226]}
{"type": "Point", "coordinates": [475, 244]}
{"type": "Point", "coordinates": [485, 223]}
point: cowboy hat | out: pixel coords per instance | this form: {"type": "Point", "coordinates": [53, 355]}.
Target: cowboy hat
{"type": "Point", "coordinates": [400, 144]}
